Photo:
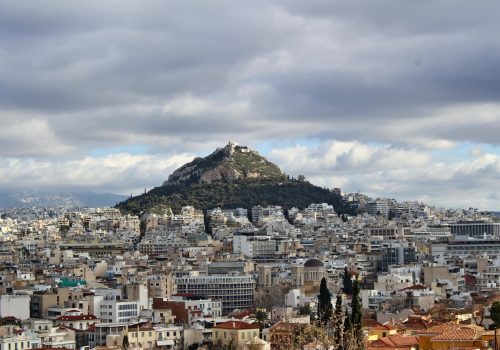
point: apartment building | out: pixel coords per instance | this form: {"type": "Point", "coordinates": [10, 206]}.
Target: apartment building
{"type": "Point", "coordinates": [114, 310]}
{"type": "Point", "coordinates": [236, 291]}
{"type": "Point", "coordinates": [477, 229]}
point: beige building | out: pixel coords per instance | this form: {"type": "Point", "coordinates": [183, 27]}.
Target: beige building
{"type": "Point", "coordinates": [234, 333]}
{"type": "Point", "coordinates": [42, 301]}
{"type": "Point", "coordinates": [161, 285]}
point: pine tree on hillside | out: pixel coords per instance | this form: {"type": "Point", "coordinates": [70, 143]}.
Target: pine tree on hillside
{"type": "Point", "coordinates": [325, 308]}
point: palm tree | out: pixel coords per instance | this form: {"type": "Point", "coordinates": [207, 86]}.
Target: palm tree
{"type": "Point", "coordinates": [261, 315]}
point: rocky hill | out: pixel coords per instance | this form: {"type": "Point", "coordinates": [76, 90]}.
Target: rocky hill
{"type": "Point", "coordinates": [230, 177]}
{"type": "Point", "coordinates": [226, 164]}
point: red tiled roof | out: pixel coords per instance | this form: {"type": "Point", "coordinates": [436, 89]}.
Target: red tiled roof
{"type": "Point", "coordinates": [375, 325]}
{"type": "Point", "coordinates": [10, 318]}
{"type": "Point", "coordinates": [242, 314]}
{"type": "Point", "coordinates": [77, 318]}
{"type": "Point", "coordinates": [459, 334]}
{"type": "Point", "coordinates": [415, 287]}
{"type": "Point", "coordinates": [438, 329]}
{"type": "Point", "coordinates": [237, 325]}
{"type": "Point", "coordinates": [416, 323]}
{"type": "Point", "coordinates": [395, 342]}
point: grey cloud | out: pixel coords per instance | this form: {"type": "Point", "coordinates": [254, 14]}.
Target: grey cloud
{"type": "Point", "coordinates": [66, 62]}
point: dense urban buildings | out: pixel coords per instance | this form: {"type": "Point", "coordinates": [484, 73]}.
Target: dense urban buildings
{"type": "Point", "coordinates": [97, 277]}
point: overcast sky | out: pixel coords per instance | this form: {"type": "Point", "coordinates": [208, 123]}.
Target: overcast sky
{"type": "Point", "coordinates": [392, 98]}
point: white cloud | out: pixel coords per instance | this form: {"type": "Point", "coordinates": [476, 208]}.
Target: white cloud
{"type": "Point", "coordinates": [119, 173]}
{"type": "Point", "coordinates": [405, 174]}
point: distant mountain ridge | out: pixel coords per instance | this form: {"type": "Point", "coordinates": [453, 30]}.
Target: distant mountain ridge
{"type": "Point", "coordinates": [26, 198]}
{"type": "Point", "coordinates": [230, 177]}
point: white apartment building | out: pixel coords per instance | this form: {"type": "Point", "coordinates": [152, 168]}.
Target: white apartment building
{"type": "Point", "coordinates": [397, 278]}
{"type": "Point", "coordinates": [15, 305]}
{"type": "Point", "coordinates": [56, 337]}
{"type": "Point", "coordinates": [489, 280]}
{"type": "Point", "coordinates": [112, 310]}
{"type": "Point", "coordinates": [254, 246]}
{"type": "Point", "coordinates": [202, 306]}
{"type": "Point", "coordinates": [430, 232]}
{"type": "Point", "coordinates": [236, 291]}
{"type": "Point", "coordinates": [464, 247]}
{"type": "Point", "coordinates": [25, 340]}
{"type": "Point", "coordinates": [260, 213]}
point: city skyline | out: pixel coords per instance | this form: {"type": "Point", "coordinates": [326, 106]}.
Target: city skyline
{"type": "Point", "coordinates": [391, 99]}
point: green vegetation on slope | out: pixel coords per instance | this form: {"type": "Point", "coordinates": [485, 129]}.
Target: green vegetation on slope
{"type": "Point", "coordinates": [244, 194]}
{"type": "Point", "coordinates": [247, 163]}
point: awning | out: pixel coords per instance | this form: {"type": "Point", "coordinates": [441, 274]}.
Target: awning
{"type": "Point", "coordinates": [165, 342]}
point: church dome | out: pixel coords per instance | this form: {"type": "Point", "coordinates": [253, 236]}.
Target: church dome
{"type": "Point", "coordinates": [313, 263]}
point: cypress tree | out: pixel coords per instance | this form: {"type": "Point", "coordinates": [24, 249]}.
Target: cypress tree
{"type": "Point", "coordinates": [347, 282]}
{"type": "Point", "coordinates": [125, 343]}
{"type": "Point", "coordinates": [338, 329]}
{"type": "Point", "coordinates": [325, 308]}
{"type": "Point", "coordinates": [347, 323]}
{"type": "Point", "coordinates": [357, 316]}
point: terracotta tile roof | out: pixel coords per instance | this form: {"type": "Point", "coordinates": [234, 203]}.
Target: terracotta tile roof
{"type": "Point", "coordinates": [415, 287]}
{"type": "Point", "coordinates": [370, 347]}
{"type": "Point", "coordinates": [464, 333]}
{"type": "Point", "coordinates": [395, 341]}
{"type": "Point", "coordinates": [473, 326]}
{"type": "Point", "coordinates": [241, 314]}
{"type": "Point", "coordinates": [416, 323]}
{"type": "Point", "coordinates": [236, 325]}
{"type": "Point", "coordinates": [438, 329]}
{"type": "Point", "coordinates": [375, 325]}
{"type": "Point", "coordinates": [77, 318]}
{"type": "Point", "coordinates": [400, 340]}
